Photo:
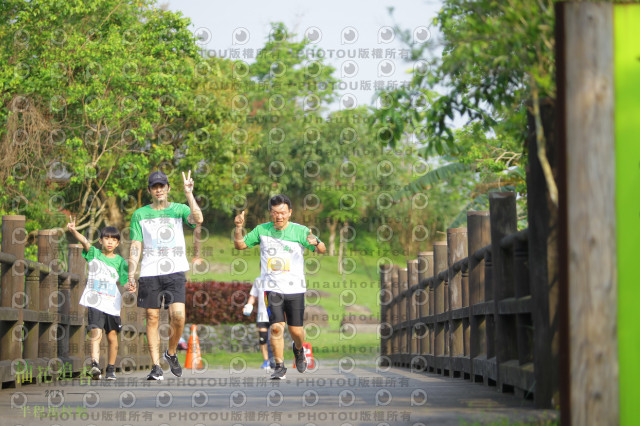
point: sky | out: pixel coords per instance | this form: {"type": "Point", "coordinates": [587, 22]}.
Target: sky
{"type": "Point", "coordinates": [357, 37]}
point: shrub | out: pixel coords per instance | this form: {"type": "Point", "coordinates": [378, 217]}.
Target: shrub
{"type": "Point", "coordinates": [215, 302]}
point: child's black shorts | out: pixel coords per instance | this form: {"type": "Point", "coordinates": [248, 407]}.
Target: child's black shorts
{"type": "Point", "coordinates": [99, 319]}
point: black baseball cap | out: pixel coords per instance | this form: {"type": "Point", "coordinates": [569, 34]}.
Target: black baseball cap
{"type": "Point", "coordinates": [158, 177]}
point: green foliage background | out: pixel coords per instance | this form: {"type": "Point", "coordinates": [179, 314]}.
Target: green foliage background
{"type": "Point", "coordinates": [96, 95]}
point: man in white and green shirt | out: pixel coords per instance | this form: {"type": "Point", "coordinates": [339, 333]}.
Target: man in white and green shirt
{"type": "Point", "coordinates": [156, 233]}
{"type": "Point", "coordinates": [282, 245]}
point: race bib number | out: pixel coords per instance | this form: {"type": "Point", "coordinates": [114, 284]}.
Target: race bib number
{"type": "Point", "coordinates": [278, 265]}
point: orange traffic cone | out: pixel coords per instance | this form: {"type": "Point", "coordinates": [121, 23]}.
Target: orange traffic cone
{"type": "Point", "coordinates": [194, 360]}
{"type": "Point", "coordinates": [308, 354]}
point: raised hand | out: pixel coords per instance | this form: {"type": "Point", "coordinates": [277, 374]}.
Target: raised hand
{"type": "Point", "coordinates": [71, 226]}
{"type": "Point", "coordinates": [188, 183]}
{"type": "Point", "coordinates": [311, 239]}
{"type": "Point", "coordinates": [239, 220]}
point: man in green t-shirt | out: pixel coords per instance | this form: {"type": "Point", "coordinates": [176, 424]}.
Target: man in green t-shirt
{"type": "Point", "coordinates": [282, 245]}
{"type": "Point", "coordinates": [156, 234]}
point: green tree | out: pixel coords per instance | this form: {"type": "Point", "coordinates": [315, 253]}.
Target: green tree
{"type": "Point", "coordinates": [496, 62]}
{"type": "Point", "coordinates": [354, 178]}
{"type": "Point", "coordinates": [97, 95]}
{"type": "Point", "coordinates": [284, 96]}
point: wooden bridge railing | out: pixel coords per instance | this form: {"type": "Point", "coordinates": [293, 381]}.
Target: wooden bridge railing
{"type": "Point", "coordinates": [465, 308]}
{"type": "Point", "coordinates": [42, 326]}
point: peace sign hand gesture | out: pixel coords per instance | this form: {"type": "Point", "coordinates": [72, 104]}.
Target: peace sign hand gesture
{"type": "Point", "coordinates": [188, 183]}
{"type": "Point", "coordinates": [71, 226]}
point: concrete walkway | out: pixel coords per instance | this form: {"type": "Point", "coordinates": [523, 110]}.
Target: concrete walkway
{"type": "Point", "coordinates": [330, 394]}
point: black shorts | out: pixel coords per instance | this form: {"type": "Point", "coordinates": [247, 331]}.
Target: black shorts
{"type": "Point", "coordinates": [286, 306]}
{"type": "Point", "coordinates": [260, 325]}
{"type": "Point", "coordinates": [99, 319]}
{"type": "Point", "coordinates": [155, 291]}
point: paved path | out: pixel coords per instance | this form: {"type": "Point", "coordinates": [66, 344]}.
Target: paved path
{"type": "Point", "coordinates": [361, 395]}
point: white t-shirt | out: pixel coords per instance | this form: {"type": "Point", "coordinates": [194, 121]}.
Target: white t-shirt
{"type": "Point", "coordinates": [281, 256]}
{"type": "Point", "coordinates": [163, 248]}
{"type": "Point", "coordinates": [257, 291]}
{"type": "Point", "coordinates": [101, 291]}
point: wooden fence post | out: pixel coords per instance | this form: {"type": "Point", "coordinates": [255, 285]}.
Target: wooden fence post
{"type": "Point", "coordinates": [479, 236]}
{"type": "Point", "coordinates": [502, 206]}
{"type": "Point", "coordinates": [441, 316]}
{"type": "Point", "coordinates": [403, 334]}
{"type": "Point", "coordinates": [413, 302]}
{"type": "Point", "coordinates": [523, 292]}
{"type": "Point", "coordinates": [32, 316]}
{"type": "Point", "coordinates": [77, 332]}
{"type": "Point", "coordinates": [589, 378]}
{"type": "Point", "coordinates": [456, 250]}
{"type": "Point", "coordinates": [48, 255]}
{"type": "Point", "coordinates": [14, 238]}
{"type": "Point", "coordinates": [466, 327]}
{"type": "Point", "coordinates": [425, 277]}
{"type": "Point", "coordinates": [394, 315]}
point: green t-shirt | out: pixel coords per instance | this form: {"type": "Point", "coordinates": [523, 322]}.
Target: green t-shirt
{"type": "Point", "coordinates": [281, 256]}
{"type": "Point", "coordinates": [163, 248]}
{"type": "Point", "coordinates": [101, 291]}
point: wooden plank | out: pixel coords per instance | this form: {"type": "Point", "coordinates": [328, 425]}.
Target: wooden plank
{"type": "Point", "coordinates": [512, 306]}
{"type": "Point", "coordinates": [587, 213]}
{"type": "Point", "coordinates": [460, 313]}
{"type": "Point", "coordinates": [485, 308]}
{"type": "Point", "coordinates": [519, 376]}
{"type": "Point", "coordinates": [9, 314]}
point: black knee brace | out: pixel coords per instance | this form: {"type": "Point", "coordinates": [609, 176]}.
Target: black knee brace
{"type": "Point", "coordinates": [263, 336]}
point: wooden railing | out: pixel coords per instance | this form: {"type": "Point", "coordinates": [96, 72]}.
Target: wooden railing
{"type": "Point", "coordinates": [466, 308]}
{"type": "Point", "coordinates": [42, 326]}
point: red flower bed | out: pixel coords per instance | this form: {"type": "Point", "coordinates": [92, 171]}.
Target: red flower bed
{"type": "Point", "coordinates": [215, 302]}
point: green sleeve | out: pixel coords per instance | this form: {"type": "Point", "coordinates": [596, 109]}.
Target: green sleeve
{"type": "Point", "coordinates": [123, 271]}
{"type": "Point", "coordinates": [91, 254]}
{"type": "Point", "coordinates": [252, 238]}
{"type": "Point", "coordinates": [135, 229]}
{"type": "Point", "coordinates": [313, 248]}
{"type": "Point", "coordinates": [185, 211]}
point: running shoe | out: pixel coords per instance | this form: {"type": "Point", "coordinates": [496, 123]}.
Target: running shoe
{"type": "Point", "coordinates": [156, 373]}
{"type": "Point", "coordinates": [173, 363]}
{"type": "Point", "coordinates": [95, 371]}
{"type": "Point", "coordinates": [110, 372]}
{"type": "Point", "coordinates": [301, 360]}
{"type": "Point", "coordinates": [279, 374]}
